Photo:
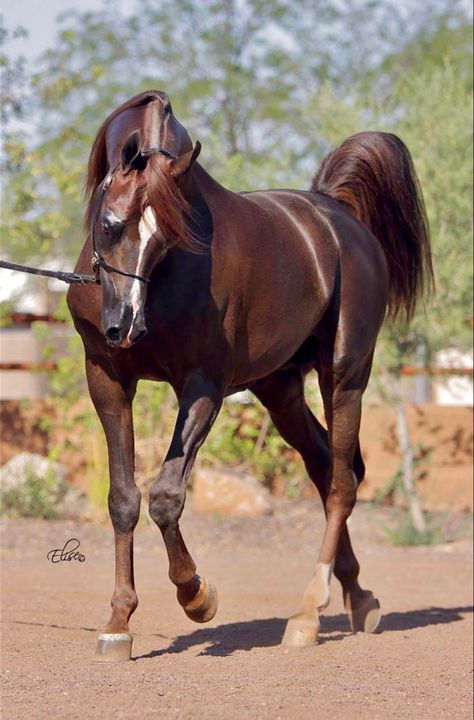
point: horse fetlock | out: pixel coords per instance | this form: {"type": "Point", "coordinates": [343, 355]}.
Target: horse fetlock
{"type": "Point", "coordinates": [347, 569]}
{"type": "Point", "coordinates": [319, 589]}
{"type": "Point", "coordinates": [301, 631]}
{"type": "Point", "coordinates": [203, 606]}
{"type": "Point", "coordinates": [186, 590]}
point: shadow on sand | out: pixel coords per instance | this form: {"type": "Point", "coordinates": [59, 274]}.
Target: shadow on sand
{"type": "Point", "coordinates": [223, 640]}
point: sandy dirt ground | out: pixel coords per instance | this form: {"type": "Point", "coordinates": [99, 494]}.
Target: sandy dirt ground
{"type": "Point", "coordinates": [418, 666]}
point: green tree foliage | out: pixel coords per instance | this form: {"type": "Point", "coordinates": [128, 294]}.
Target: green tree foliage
{"type": "Point", "coordinates": [268, 86]}
{"type": "Point", "coordinates": [433, 100]}
{"type": "Point", "coordinates": [424, 95]}
{"type": "Point", "coordinates": [12, 73]}
{"type": "Point", "coordinates": [240, 73]}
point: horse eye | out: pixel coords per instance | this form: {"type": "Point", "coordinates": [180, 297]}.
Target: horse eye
{"type": "Point", "coordinates": [106, 227]}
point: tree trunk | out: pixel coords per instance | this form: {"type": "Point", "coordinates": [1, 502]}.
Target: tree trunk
{"type": "Point", "coordinates": [408, 477]}
{"type": "Point", "coordinates": [262, 436]}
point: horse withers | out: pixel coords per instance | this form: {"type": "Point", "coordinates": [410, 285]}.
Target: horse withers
{"type": "Point", "coordinates": [214, 291]}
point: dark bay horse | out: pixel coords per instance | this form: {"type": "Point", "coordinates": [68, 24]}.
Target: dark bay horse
{"type": "Point", "coordinates": [214, 291]}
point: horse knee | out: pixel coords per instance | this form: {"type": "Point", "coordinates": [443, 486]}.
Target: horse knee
{"type": "Point", "coordinates": [166, 503]}
{"type": "Point", "coordinates": [124, 507]}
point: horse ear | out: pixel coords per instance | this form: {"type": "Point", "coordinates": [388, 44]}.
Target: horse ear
{"type": "Point", "coordinates": [131, 150]}
{"type": "Point", "coordinates": [181, 165]}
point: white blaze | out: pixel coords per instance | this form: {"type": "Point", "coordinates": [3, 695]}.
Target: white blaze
{"type": "Point", "coordinates": [147, 227]}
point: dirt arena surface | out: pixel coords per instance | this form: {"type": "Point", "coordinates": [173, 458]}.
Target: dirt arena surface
{"type": "Point", "coordinates": [418, 666]}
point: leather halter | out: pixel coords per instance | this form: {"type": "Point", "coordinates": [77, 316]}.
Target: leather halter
{"type": "Point", "coordinates": [98, 262]}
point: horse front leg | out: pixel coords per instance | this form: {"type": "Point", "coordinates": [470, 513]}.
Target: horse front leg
{"type": "Point", "coordinates": [113, 402]}
{"type": "Point", "coordinates": [199, 404]}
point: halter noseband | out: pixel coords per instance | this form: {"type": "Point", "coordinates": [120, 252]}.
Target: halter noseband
{"type": "Point", "coordinates": [98, 261]}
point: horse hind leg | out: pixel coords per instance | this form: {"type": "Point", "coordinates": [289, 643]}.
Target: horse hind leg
{"type": "Point", "coordinates": [342, 395]}
{"type": "Point", "coordinates": [363, 610]}
{"type": "Point", "coordinates": [283, 395]}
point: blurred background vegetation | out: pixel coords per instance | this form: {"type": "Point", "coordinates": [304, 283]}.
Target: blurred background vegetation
{"type": "Point", "coordinates": [268, 87]}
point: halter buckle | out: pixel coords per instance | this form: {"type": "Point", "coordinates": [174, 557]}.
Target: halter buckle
{"type": "Point", "coordinates": [95, 264]}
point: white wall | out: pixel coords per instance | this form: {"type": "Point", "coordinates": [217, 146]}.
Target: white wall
{"type": "Point", "coordinates": [454, 390]}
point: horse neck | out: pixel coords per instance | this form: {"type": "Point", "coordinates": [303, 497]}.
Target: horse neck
{"type": "Point", "coordinates": [203, 187]}
{"type": "Point", "coordinates": [211, 202]}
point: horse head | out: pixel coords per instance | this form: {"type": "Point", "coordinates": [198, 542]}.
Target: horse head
{"type": "Point", "coordinates": [138, 211]}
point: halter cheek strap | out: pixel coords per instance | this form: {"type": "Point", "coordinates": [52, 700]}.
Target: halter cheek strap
{"type": "Point", "coordinates": [98, 262]}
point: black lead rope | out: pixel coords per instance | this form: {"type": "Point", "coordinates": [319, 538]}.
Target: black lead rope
{"type": "Point", "coordinates": [72, 278]}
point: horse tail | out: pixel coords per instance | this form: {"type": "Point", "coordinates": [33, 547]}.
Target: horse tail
{"type": "Point", "coordinates": [372, 174]}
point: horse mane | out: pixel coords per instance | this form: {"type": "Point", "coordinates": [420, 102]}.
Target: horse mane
{"type": "Point", "coordinates": [172, 211]}
{"type": "Point", "coordinates": [162, 192]}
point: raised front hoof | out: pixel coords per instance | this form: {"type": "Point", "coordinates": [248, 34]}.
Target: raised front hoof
{"type": "Point", "coordinates": [366, 616]}
{"type": "Point", "coordinates": [203, 606]}
{"type": "Point", "coordinates": [300, 632]}
{"type": "Point", "coordinates": [113, 647]}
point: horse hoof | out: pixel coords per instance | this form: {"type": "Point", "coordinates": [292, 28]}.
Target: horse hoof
{"type": "Point", "coordinates": [300, 632]}
{"type": "Point", "coordinates": [367, 616]}
{"type": "Point", "coordinates": [113, 647]}
{"type": "Point", "coordinates": [203, 606]}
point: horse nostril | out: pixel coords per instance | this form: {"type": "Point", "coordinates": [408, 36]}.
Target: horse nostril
{"type": "Point", "coordinates": [113, 335]}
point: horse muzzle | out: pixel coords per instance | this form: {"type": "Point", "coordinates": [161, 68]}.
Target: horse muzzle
{"type": "Point", "coordinates": [122, 328]}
